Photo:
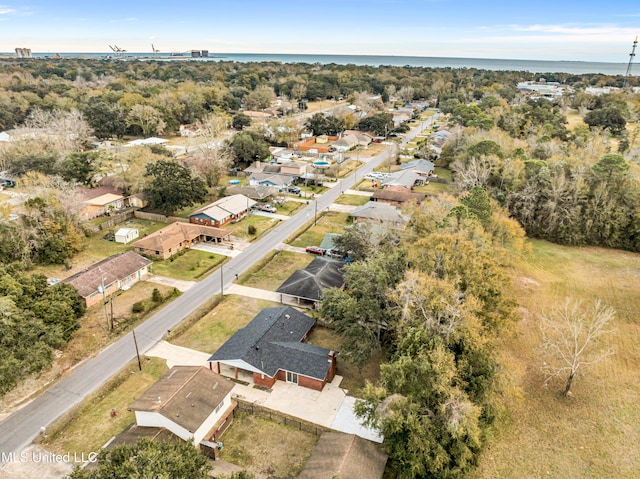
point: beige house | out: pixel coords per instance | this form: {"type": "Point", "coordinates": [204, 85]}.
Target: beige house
{"type": "Point", "coordinates": [192, 402]}
{"type": "Point", "coordinates": [175, 237]}
{"type": "Point", "coordinates": [101, 205]}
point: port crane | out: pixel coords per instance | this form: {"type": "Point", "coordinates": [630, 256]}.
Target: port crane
{"type": "Point", "coordinates": [117, 50]}
{"type": "Point", "coordinates": [154, 49]}
{"type": "Point", "coordinates": [631, 57]}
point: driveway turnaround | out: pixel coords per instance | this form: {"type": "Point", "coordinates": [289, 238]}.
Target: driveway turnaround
{"type": "Point", "coordinates": [253, 293]}
{"type": "Point", "coordinates": [178, 356]}
{"type": "Point", "coordinates": [179, 284]}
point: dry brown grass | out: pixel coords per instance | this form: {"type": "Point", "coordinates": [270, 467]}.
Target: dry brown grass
{"type": "Point", "coordinates": [273, 273]}
{"type": "Point", "coordinates": [265, 447]}
{"type": "Point", "coordinates": [595, 433]}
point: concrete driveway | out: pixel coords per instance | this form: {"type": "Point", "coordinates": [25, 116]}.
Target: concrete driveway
{"type": "Point", "coordinates": [217, 249]}
{"type": "Point", "coordinates": [179, 284]}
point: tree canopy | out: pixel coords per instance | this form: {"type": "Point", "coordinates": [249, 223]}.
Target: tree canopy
{"type": "Point", "coordinates": [172, 187]}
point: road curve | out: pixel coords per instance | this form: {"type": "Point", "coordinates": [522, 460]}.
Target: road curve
{"type": "Point", "coordinates": [22, 426]}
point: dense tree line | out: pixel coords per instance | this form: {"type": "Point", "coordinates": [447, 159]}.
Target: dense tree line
{"type": "Point", "coordinates": [35, 319]}
{"type": "Point", "coordinates": [436, 300]}
{"type": "Point", "coordinates": [566, 185]}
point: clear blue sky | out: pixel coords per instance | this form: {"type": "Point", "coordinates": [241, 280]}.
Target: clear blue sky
{"type": "Point", "coordinates": [585, 30]}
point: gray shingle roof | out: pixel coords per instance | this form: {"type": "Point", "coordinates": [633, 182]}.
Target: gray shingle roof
{"type": "Point", "coordinates": [309, 283]}
{"type": "Point", "coordinates": [272, 342]}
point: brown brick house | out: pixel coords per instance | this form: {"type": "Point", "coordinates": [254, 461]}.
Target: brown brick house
{"type": "Point", "coordinates": [272, 347]}
{"type": "Point", "coordinates": [177, 236]}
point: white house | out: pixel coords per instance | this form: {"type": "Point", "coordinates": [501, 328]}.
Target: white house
{"type": "Point", "coordinates": [192, 402]}
{"type": "Point", "coordinates": [124, 235]}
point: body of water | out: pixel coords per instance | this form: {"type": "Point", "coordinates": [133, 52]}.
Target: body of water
{"type": "Point", "coordinates": [536, 66]}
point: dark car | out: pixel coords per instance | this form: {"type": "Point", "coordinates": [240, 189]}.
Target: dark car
{"type": "Point", "coordinates": [293, 189]}
{"type": "Point", "coordinates": [314, 250]}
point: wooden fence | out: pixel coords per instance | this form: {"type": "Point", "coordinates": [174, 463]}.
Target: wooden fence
{"type": "Point", "coordinates": [112, 221]}
{"type": "Point", "coordinates": [158, 217]}
{"type": "Point", "coordinates": [279, 417]}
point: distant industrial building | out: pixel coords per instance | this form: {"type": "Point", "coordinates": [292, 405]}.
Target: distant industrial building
{"type": "Point", "coordinates": [23, 53]}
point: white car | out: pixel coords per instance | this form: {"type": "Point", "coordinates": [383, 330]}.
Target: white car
{"type": "Point", "coordinates": [269, 208]}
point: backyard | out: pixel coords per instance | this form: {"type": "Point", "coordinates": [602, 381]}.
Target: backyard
{"type": "Point", "coordinates": [329, 222]}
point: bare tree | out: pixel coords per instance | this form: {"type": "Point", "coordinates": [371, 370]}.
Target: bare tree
{"type": "Point", "coordinates": [571, 335]}
{"type": "Point", "coordinates": [474, 172]}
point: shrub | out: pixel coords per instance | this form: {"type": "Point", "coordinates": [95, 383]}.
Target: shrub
{"type": "Point", "coordinates": [252, 230]}
{"type": "Point", "coordinates": [138, 307]}
{"type": "Point", "coordinates": [156, 296]}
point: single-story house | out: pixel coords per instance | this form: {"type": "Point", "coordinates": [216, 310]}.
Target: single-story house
{"type": "Point", "coordinates": [138, 200]}
{"type": "Point", "coordinates": [272, 347]}
{"type": "Point", "coordinates": [270, 179]}
{"type": "Point", "coordinates": [177, 236]}
{"type": "Point", "coordinates": [397, 196]}
{"type": "Point", "coordinates": [125, 235]}
{"type": "Point", "coordinates": [294, 168]}
{"type": "Point", "coordinates": [258, 192]}
{"type": "Point", "coordinates": [344, 456]}
{"type": "Point", "coordinates": [192, 402]}
{"type": "Point", "coordinates": [377, 212]}
{"type": "Point", "coordinates": [120, 271]}
{"type": "Point", "coordinates": [420, 166]}
{"type": "Point", "coordinates": [102, 205]}
{"type": "Point", "coordinates": [346, 143]}
{"type": "Point", "coordinates": [225, 210]}
{"type": "Point", "coordinates": [406, 178]}
{"type": "Point", "coordinates": [307, 285]}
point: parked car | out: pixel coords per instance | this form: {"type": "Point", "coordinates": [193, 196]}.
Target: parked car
{"type": "Point", "coordinates": [269, 208]}
{"type": "Point", "coordinates": [314, 250]}
{"type": "Point", "coordinates": [293, 189]}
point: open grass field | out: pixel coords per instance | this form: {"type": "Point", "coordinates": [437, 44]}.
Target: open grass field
{"type": "Point", "coordinates": [213, 330]}
{"type": "Point", "coordinates": [261, 223]}
{"type": "Point", "coordinates": [265, 447]}
{"type": "Point", "coordinates": [272, 274]}
{"type": "Point", "coordinates": [596, 432]}
{"type": "Point", "coordinates": [330, 222]}
{"type": "Point", "coordinates": [91, 425]}
{"type": "Point", "coordinates": [192, 265]}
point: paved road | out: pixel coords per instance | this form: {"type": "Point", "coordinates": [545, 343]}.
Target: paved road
{"type": "Point", "coordinates": [19, 429]}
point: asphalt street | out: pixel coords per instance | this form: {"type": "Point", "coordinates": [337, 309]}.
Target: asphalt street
{"type": "Point", "coordinates": [22, 426]}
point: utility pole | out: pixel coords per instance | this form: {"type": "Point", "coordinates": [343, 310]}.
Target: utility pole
{"type": "Point", "coordinates": [135, 342]}
{"type": "Point", "coordinates": [104, 300]}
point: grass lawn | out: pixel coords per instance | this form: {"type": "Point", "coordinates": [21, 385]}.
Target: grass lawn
{"type": "Point", "coordinates": [353, 200]}
{"type": "Point", "coordinates": [261, 223]}
{"type": "Point", "coordinates": [189, 266]}
{"type": "Point", "coordinates": [90, 426]}
{"type": "Point", "coordinates": [213, 330]}
{"type": "Point", "coordinates": [314, 106]}
{"type": "Point", "coordinates": [265, 447]}
{"type": "Point", "coordinates": [435, 188]}
{"type": "Point", "coordinates": [354, 376]}
{"type": "Point", "coordinates": [330, 222]}
{"type": "Point", "coordinates": [595, 433]}
{"type": "Point", "coordinates": [279, 267]}
{"type": "Point", "coordinates": [289, 207]}
{"type": "Point", "coordinates": [444, 173]}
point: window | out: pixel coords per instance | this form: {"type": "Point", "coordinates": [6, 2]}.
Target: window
{"type": "Point", "coordinates": [292, 377]}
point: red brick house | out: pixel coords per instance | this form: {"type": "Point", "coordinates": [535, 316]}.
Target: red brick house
{"type": "Point", "coordinates": [225, 210]}
{"type": "Point", "coordinates": [272, 347]}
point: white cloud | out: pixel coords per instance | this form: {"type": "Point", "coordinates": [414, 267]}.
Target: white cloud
{"type": "Point", "coordinates": [6, 10]}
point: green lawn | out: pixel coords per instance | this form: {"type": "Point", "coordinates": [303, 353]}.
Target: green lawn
{"type": "Point", "coordinates": [272, 274]}
{"type": "Point", "coordinates": [595, 433]}
{"type": "Point", "coordinates": [444, 173]}
{"type": "Point", "coordinates": [289, 207]}
{"type": "Point", "coordinates": [213, 330]}
{"type": "Point", "coordinates": [330, 222]}
{"type": "Point", "coordinates": [435, 188]}
{"type": "Point", "coordinates": [261, 223]}
{"type": "Point", "coordinates": [353, 200]}
{"type": "Point", "coordinates": [91, 425]}
{"type": "Point", "coordinates": [189, 266]}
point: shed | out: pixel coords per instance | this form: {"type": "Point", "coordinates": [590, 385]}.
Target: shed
{"type": "Point", "coordinates": [125, 235]}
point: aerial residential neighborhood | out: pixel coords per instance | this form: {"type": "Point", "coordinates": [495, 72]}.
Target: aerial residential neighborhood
{"type": "Point", "coordinates": [256, 266]}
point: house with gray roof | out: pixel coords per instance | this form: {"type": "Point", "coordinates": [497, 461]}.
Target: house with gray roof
{"type": "Point", "coordinates": [378, 212]}
{"type": "Point", "coordinates": [225, 210]}
{"type": "Point", "coordinates": [270, 179]}
{"type": "Point", "coordinates": [306, 286]}
{"type": "Point", "coordinates": [420, 166]}
{"type": "Point", "coordinates": [272, 347]}
{"type": "Point", "coordinates": [407, 178]}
